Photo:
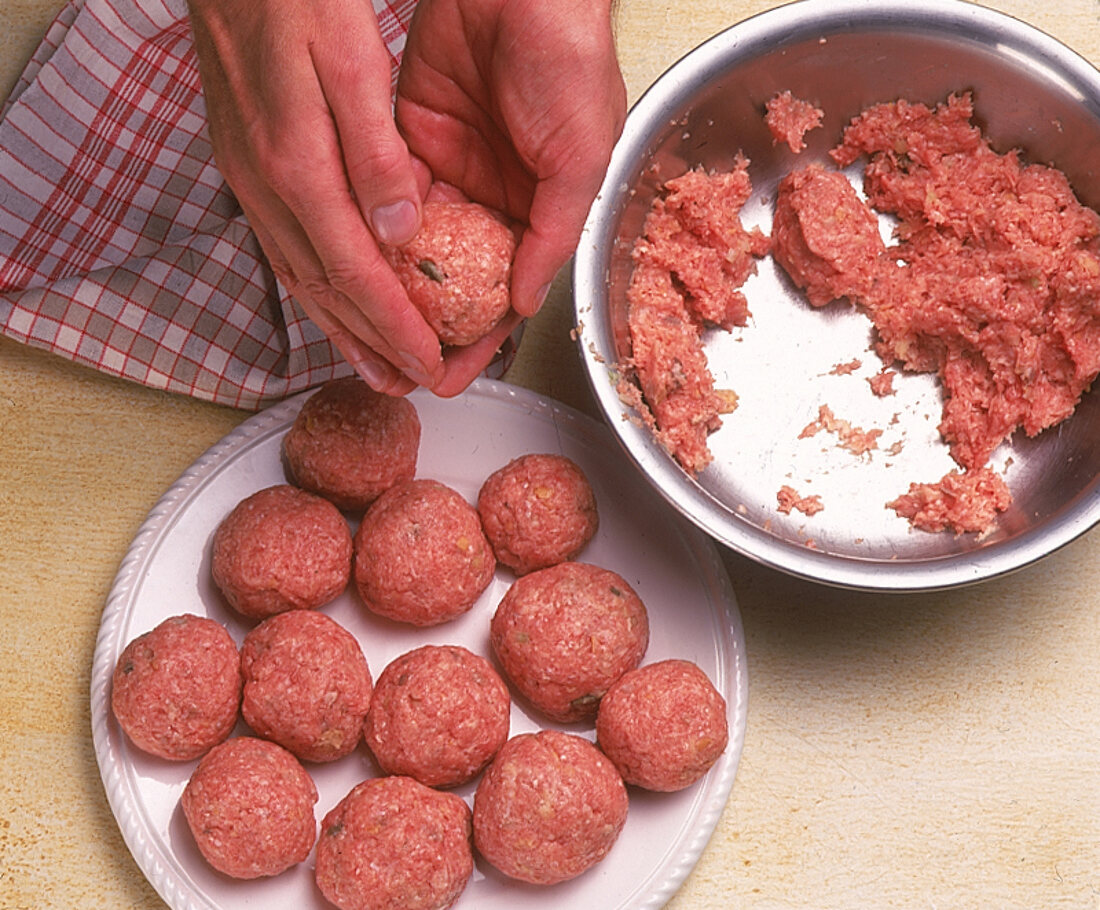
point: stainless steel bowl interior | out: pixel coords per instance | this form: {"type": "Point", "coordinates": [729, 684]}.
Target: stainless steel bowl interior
{"type": "Point", "coordinates": [1030, 92]}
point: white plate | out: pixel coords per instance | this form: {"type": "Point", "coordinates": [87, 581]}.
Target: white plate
{"type": "Point", "coordinates": [674, 568]}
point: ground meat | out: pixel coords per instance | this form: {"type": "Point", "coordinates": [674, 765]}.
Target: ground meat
{"type": "Point", "coordinates": [564, 634]}
{"type": "Point", "coordinates": [176, 690]}
{"type": "Point", "coordinates": [1001, 278]}
{"type": "Point", "coordinates": [855, 439]}
{"type": "Point", "coordinates": [306, 684]}
{"type": "Point", "coordinates": [349, 443]}
{"type": "Point", "coordinates": [537, 511]}
{"type": "Point", "coordinates": [824, 236]}
{"type": "Point", "coordinates": [550, 806]}
{"type": "Point", "coordinates": [421, 556]}
{"type": "Point", "coordinates": [249, 805]}
{"type": "Point", "coordinates": [789, 119]}
{"type": "Point", "coordinates": [663, 725]}
{"type": "Point", "coordinates": [394, 844]}
{"type": "Point", "coordinates": [846, 369]}
{"type": "Point", "coordinates": [457, 269]}
{"type": "Point", "coordinates": [788, 499]}
{"type": "Point", "coordinates": [439, 715]}
{"type": "Point", "coordinates": [966, 501]}
{"type": "Point", "coordinates": [992, 283]}
{"type": "Point", "coordinates": [882, 383]}
{"type": "Point", "coordinates": [280, 549]}
{"type": "Point", "coordinates": [689, 264]}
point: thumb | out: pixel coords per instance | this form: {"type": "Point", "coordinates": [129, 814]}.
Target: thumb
{"type": "Point", "coordinates": [558, 212]}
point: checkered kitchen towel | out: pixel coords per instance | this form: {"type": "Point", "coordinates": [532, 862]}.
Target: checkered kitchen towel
{"type": "Point", "coordinates": [120, 245]}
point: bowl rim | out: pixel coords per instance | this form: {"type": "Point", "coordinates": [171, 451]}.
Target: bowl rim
{"type": "Point", "coordinates": [765, 32]}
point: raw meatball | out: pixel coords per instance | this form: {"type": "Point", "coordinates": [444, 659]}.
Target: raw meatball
{"type": "Point", "coordinates": [306, 684]}
{"type": "Point", "coordinates": [550, 806]}
{"type": "Point", "coordinates": [249, 806]}
{"type": "Point", "coordinates": [420, 554]}
{"type": "Point", "coordinates": [176, 690]}
{"type": "Point", "coordinates": [394, 844]}
{"type": "Point", "coordinates": [566, 633]}
{"type": "Point", "coordinates": [537, 511]}
{"type": "Point", "coordinates": [281, 549]}
{"type": "Point", "coordinates": [663, 725]}
{"type": "Point", "coordinates": [457, 270]}
{"type": "Point", "coordinates": [439, 714]}
{"type": "Point", "coordinates": [349, 443]}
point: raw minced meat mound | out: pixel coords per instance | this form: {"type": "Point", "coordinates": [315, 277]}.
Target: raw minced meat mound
{"type": "Point", "coordinates": [281, 549]}
{"type": "Point", "coordinates": [176, 689]}
{"type": "Point", "coordinates": [824, 236]}
{"type": "Point", "coordinates": [421, 555]}
{"type": "Point", "coordinates": [993, 282]}
{"type": "Point", "coordinates": [549, 807]}
{"type": "Point", "coordinates": [565, 633]}
{"type": "Point", "coordinates": [439, 714]}
{"type": "Point", "coordinates": [307, 685]}
{"type": "Point", "coordinates": [1000, 286]}
{"type": "Point", "coordinates": [960, 502]}
{"type": "Point", "coordinates": [663, 725]}
{"type": "Point", "coordinates": [457, 269]}
{"type": "Point", "coordinates": [249, 805]}
{"type": "Point", "coordinates": [790, 118]}
{"type": "Point", "coordinates": [394, 843]}
{"type": "Point", "coordinates": [537, 510]}
{"type": "Point", "coordinates": [349, 443]}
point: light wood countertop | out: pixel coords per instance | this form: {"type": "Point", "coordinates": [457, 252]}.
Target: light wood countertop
{"type": "Point", "coordinates": [926, 751]}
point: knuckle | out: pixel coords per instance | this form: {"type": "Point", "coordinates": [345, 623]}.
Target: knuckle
{"type": "Point", "coordinates": [379, 159]}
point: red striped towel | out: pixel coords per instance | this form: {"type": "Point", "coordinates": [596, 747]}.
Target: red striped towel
{"type": "Point", "coordinates": [120, 245]}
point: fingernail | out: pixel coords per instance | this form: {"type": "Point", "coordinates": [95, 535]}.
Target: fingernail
{"type": "Point", "coordinates": [540, 297]}
{"type": "Point", "coordinates": [416, 371]}
{"type": "Point", "coordinates": [395, 223]}
{"type": "Point", "coordinates": [373, 374]}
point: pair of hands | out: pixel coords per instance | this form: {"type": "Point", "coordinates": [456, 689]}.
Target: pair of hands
{"type": "Point", "coordinates": [515, 104]}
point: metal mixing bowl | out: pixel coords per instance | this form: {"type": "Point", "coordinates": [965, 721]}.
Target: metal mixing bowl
{"type": "Point", "coordinates": [1030, 92]}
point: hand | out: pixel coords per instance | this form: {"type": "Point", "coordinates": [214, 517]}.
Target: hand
{"type": "Point", "coordinates": [299, 104]}
{"type": "Point", "coordinates": [517, 104]}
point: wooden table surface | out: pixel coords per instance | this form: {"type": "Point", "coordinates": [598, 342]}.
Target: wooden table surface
{"type": "Point", "coordinates": [937, 751]}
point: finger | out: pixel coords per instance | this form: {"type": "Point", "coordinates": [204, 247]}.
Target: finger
{"type": "Point", "coordinates": [465, 364]}
{"type": "Point", "coordinates": [354, 336]}
{"type": "Point", "coordinates": [308, 207]}
{"type": "Point", "coordinates": [356, 85]}
{"type": "Point", "coordinates": [353, 282]}
{"type": "Point", "coordinates": [373, 369]}
{"type": "Point", "coordinates": [556, 220]}
{"type": "Point", "coordinates": [423, 174]}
